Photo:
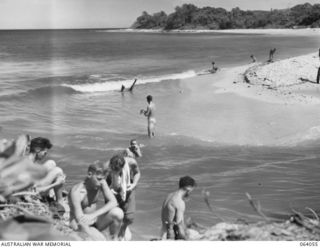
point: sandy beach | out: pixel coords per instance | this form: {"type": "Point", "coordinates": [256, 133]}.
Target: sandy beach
{"type": "Point", "coordinates": [288, 81]}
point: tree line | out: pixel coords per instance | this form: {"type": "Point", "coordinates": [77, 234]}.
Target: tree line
{"type": "Point", "coordinates": [189, 16]}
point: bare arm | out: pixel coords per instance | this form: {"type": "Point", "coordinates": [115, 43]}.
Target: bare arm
{"type": "Point", "coordinates": [136, 172]}
{"type": "Point", "coordinates": [76, 202]}
{"type": "Point", "coordinates": [139, 153]}
{"type": "Point", "coordinates": [148, 111]}
{"type": "Point", "coordinates": [109, 198]}
{"type": "Point", "coordinates": [180, 221]}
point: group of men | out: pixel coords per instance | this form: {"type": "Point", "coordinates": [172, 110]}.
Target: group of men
{"type": "Point", "coordinates": [116, 180]}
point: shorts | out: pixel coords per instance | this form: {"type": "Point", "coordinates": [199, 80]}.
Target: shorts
{"type": "Point", "coordinates": [128, 207]}
{"type": "Point", "coordinates": [152, 121]}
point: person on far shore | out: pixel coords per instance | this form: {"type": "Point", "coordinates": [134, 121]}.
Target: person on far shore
{"type": "Point", "coordinates": [133, 151]}
{"type": "Point", "coordinates": [123, 175]}
{"type": "Point", "coordinates": [84, 214]}
{"type": "Point", "coordinates": [172, 211]}
{"type": "Point", "coordinates": [150, 114]}
{"type": "Point", "coordinates": [51, 186]}
{"type": "Point", "coordinates": [214, 68]}
{"type": "Point", "coordinates": [254, 60]}
{"type": "Point", "coordinates": [271, 54]}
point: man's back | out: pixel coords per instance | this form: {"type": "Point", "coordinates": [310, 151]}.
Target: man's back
{"type": "Point", "coordinates": [151, 110]}
{"type": "Point", "coordinates": [172, 215]}
{"type": "Point", "coordinates": [171, 205]}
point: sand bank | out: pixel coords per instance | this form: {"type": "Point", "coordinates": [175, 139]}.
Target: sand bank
{"type": "Point", "coordinates": [289, 81]}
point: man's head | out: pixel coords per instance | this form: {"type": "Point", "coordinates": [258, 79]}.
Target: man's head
{"type": "Point", "coordinates": [149, 98]}
{"type": "Point", "coordinates": [40, 146]}
{"type": "Point", "coordinates": [134, 148]}
{"type": "Point", "coordinates": [187, 184]}
{"type": "Point", "coordinates": [117, 163]}
{"type": "Point", "coordinates": [95, 173]}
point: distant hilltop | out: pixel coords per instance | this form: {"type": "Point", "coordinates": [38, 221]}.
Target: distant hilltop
{"type": "Point", "coordinates": [189, 16]}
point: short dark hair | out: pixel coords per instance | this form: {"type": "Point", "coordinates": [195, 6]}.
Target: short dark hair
{"type": "Point", "coordinates": [117, 162]}
{"type": "Point", "coordinates": [149, 98]}
{"type": "Point", "coordinates": [96, 166]}
{"type": "Point", "coordinates": [131, 141]}
{"type": "Point", "coordinates": [42, 143]}
{"type": "Point", "coordinates": [186, 181]}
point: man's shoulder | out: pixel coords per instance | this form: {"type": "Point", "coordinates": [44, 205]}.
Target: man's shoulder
{"type": "Point", "coordinates": [78, 188]}
{"type": "Point", "coordinates": [128, 153]}
{"type": "Point", "coordinates": [130, 160]}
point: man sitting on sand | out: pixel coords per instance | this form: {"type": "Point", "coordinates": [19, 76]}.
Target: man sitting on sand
{"type": "Point", "coordinates": [123, 177]}
{"type": "Point", "coordinates": [150, 114]}
{"type": "Point", "coordinates": [84, 214]}
{"type": "Point", "coordinates": [50, 186]}
{"type": "Point", "coordinates": [133, 151]}
{"type": "Point", "coordinates": [173, 208]}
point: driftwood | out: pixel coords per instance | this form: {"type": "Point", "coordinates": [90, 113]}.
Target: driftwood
{"type": "Point", "coordinates": [206, 195]}
{"type": "Point", "coordinates": [256, 206]}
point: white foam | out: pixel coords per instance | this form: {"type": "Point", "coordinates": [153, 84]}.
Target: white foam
{"type": "Point", "coordinates": [116, 85]}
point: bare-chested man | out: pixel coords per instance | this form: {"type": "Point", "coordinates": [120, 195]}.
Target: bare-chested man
{"type": "Point", "coordinates": [51, 186]}
{"type": "Point", "coordinates": [84, 214]}
{"type": "Point", "coordinates": [173, 208]}
{"type": "Point", "coordinates": [150, 114]}
{"type": "Point", "coordinates": [133, 151]}
{"type": "Point", "coordinates": [123, 178]}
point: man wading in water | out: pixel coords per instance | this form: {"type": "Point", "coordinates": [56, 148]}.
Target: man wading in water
{"type": "Point", "coordinates": [150, 114]}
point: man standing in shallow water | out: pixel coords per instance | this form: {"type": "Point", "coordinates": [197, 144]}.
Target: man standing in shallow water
{"type": "Point", "coordinates": [150, 114]}
{"type": "Point", "coordinates": [173, 208]}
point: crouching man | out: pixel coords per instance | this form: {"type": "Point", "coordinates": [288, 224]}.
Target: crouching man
{"type": "Point", "coordinates": [172, 211]}
{"type": "Point", "coordinates": [84, 214]}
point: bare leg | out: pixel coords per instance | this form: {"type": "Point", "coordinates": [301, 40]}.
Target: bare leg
{"type": "Point", "coordinates": [54, 179]}
{"type": "Point", "coordinates": [152, 128]}
{"type": "Point", "coordinates": [163, 232]}
{"type": "Point", "coordinates": [123, 228]}
{"type": "Point", "coordinates": [113, 220]}
{"type": "Point", "coordinates": [93, 233]}
{"type": "Point", "coordinates": [149, 129]}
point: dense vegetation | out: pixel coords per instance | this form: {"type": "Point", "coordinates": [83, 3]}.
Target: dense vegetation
{"type": "Point", "coordinates": [189, 16]}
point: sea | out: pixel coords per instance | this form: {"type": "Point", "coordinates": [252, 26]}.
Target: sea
{"type": "Point", "coordinates": [65, 85]}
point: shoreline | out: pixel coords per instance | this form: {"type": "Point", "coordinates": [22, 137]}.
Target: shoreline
{"type": "Point", "coordinates": [302, 31]}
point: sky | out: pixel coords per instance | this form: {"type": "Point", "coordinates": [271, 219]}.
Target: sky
{"type": "Point", "coordinates": [57, 14]}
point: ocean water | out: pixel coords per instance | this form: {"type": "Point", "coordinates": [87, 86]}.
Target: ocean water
{"type": "Point", "coordinates": [65, 85]}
